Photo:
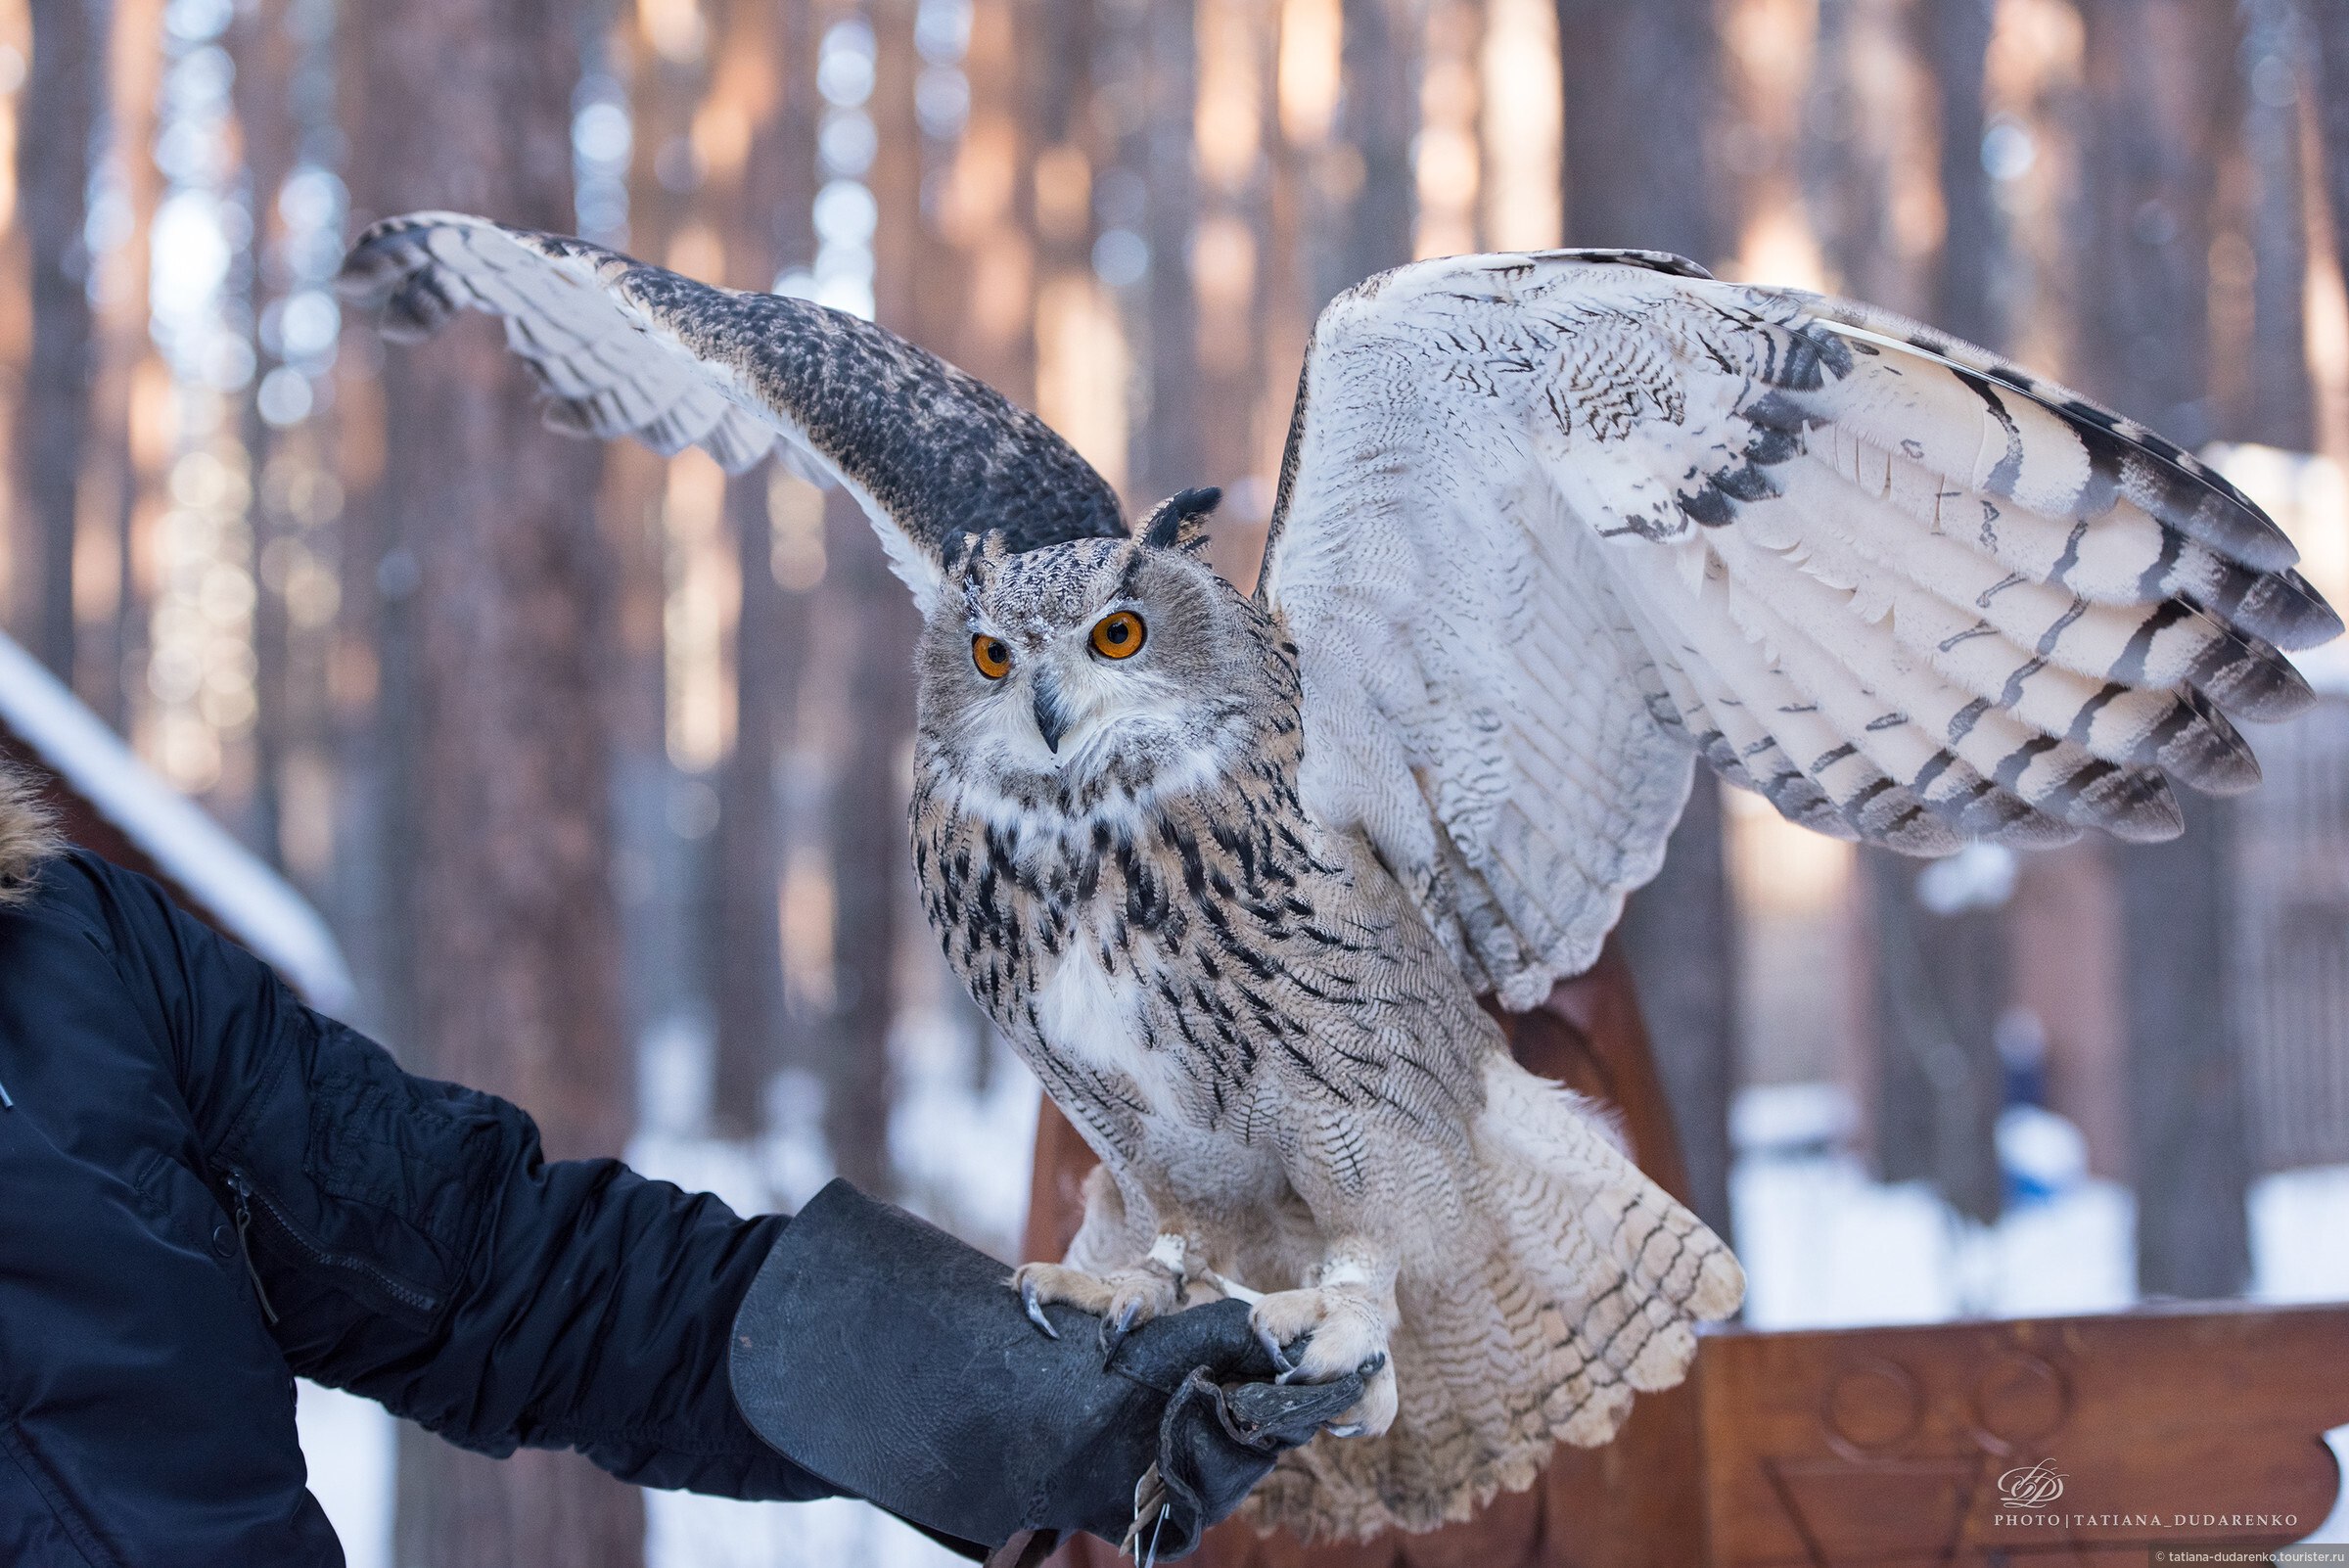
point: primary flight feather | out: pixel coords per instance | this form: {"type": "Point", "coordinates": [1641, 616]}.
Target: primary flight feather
{"type": "Point", "coordinates": [1232, 873]}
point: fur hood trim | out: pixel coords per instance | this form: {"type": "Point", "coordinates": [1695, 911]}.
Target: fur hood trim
{"type": "Point", "coordinates": [27, 833]}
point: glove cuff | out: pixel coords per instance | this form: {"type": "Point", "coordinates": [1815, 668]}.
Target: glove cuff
{"type": "Point", "coordinates": [894, 1361]}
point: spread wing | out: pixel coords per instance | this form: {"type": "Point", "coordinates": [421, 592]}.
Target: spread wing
{"type": "Point", "coordinates": [1548, 524]}
{"type": "Point", "coordinates": [624, 349]}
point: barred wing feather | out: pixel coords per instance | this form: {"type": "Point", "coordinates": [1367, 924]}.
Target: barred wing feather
{"type": "Point", "coordinates": [625, 349]}
{"type": "Point", "coordinates": [1550, 524]}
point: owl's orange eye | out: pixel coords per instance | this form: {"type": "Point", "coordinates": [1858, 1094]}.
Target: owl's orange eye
{"type": "Point", "coordinates": [1119, 636]}
{"type": "Point", "coordinates": [991, 656]}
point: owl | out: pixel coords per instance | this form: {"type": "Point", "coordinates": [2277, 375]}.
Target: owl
{"type": "Point", "coordinates": [1233, 871]}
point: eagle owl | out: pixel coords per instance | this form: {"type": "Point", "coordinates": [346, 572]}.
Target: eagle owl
{"type": "Point", "coordinates": [1232, 872]}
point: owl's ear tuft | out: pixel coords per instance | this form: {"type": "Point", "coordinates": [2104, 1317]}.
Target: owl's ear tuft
{"type": "Point", "coordinates": [1180, 521]}
{"type": "Point", "coordinates": [964, 547]}
{"type": "Point", "coordinates": [967, 548]}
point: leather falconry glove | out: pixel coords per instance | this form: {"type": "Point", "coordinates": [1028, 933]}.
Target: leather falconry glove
{"type": "Point", "coordinates": [897, 1363]}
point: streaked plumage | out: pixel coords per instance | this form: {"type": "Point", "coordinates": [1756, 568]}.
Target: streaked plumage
{"type": "Point", "coordinates": [1548, 527]}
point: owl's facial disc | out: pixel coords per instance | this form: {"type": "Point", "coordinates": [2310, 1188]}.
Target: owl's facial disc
{"type": "Point", "coordinates": [1085, 681]}
{"type": "Point", "coordinates": [1102, 667]}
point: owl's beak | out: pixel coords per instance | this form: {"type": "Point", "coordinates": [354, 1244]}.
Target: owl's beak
{"type": "Point", "coordinates": [1051, 719]}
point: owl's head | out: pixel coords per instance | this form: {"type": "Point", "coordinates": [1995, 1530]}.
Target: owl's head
{"type": "Point", "coordinates": [1095, 674]}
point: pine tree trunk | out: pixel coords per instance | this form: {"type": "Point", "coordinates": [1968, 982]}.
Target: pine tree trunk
{"type": "Point", "coordinates": [2282, 402]}
{"type": "Point", "coordinates": [769, 231]}
{"type": "Point", "coordinates": [872, 625]}
{"type": "Point", "coordinates": [748, 941]}
{"type": "Point", "coordinates": [1940, 985]}
{"type": "Point", "coordinates": [1973, 239]}
{"type": "Point", "coordinates": [64, 99]}
{"type": "Point", "coordinates": [1637, 178]}
{"type": "Point", "coordinates": [258, 45]}
{"type": "Point", "coordinates": [498, 586]}
{"type": "Point", "coordinates": [1637, 174]}
{"type": "Point", "coordinates": [1169, 447]}
{"type": "Point", "coordinates": [1679, 935]}
{"type": "Point", "coordinates": [119, 656]}
{"type": "Point", "coordinates": [1938, 982]}
{"type": "Point", "coordinates": [1378, 114]}
{"type": "Point", "coordinates": [2156, 83]}
{"type": "Point", "coordinates": [2328, 31]}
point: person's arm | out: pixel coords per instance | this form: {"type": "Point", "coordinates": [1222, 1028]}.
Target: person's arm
{"type": "Point", "coordinates": [415, 1247]}
{"type": "Point", "coordinates": [409, 1243]}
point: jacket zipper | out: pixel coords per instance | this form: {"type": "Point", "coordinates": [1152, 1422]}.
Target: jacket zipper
{"type": "Point", "coordinates": [248, 1194]}
{"type": "Point", "coordinates": [244, 1192]}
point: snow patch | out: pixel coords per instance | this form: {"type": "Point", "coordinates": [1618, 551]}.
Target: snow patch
{"type": "Point", "coordinates": [349, 1444]}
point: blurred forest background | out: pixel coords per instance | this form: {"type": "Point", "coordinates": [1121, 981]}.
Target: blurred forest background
{"type": "Point", "coordinates": [597, 762]}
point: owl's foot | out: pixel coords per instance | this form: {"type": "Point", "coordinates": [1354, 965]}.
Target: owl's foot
{"type": "Point", "coordinates": [1124, 1299]}
{"type": "Point", "coordinates": [1343, 1328]}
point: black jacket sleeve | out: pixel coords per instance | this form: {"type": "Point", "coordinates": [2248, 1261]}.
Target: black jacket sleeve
{"type": "Point", "coordinates": [412, 1244]}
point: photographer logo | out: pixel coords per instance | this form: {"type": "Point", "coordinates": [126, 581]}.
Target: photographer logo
{"type": "Point", "coordinates": [2031, 1485]}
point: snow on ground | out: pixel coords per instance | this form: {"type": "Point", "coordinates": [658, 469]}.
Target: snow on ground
{"type": "Point", "coordinates": [2300, 1238]}
{"type": "Point", "coordinates": [1827, 1247]}
{"type": "Point", "coordinates": [348, 1440]}
{"type": "Point", "coordinates": [1823, 1244]}
{"type": "Point", "coordinates": [683, 1531]}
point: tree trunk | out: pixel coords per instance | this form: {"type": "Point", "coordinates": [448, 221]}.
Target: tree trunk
{"type": "Point", "coordinates": [1973, 238]}
{"type": "Point", "coordinates": [2155, 89]}
{"type": "Point", "coordinates": [2189, 1147]}
{"type": "Point", "coordinates": [1844, 157]}
{"type": "Point", "coordinates": [503, 583]}
{"type": "Point", "coordinates": [769, 231]}
{"type": "Point", "coordinates": [872, 626]}
{"type": "Point", "coordinates": [2329, 28]}
{"type": "Point", "coordinates": [1637, 178]}
{"type": "Point", "coordinates": [1638, 174]}
{"type": "Point", "coordinates": [1378, 114]}
{"type": "Point", "coordinates": [2282, 398]}
{"type": "Point", "coordinates": [1940, 985]}
{"type": "Point", "coordinates": [57, 118]}
{"type": "Point", "coordinates": [258, 45]}
{"type": "Point", "coordinates": [747, 944]}
{"type": "Point", "coordinates": [1679, 936]}
{"type": "Point", "coordinates": [116, 686]}
{"type": "Point", "coordinates": [1169, 447]}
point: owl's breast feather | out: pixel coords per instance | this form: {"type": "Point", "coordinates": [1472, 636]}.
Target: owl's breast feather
{"type": "Point", "coordinates": [1196, 1128]}
{"type": "Point", "coordinates": [1092, 1018]}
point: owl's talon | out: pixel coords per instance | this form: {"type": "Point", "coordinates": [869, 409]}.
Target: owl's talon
{"type": "Point", "coordinates": [1151, 1288]}
{"type": "Point", "coordinates": [1123, 1300]}
{"type": "Point", "coordinates": [1035, 1307]}
{"type": "Point", "coordinates": [1116, 1325]}
{"type": "Point", "coordinates": [1325, 1332]}
{"type": "Point", "coordinates": [1042, 1284]}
